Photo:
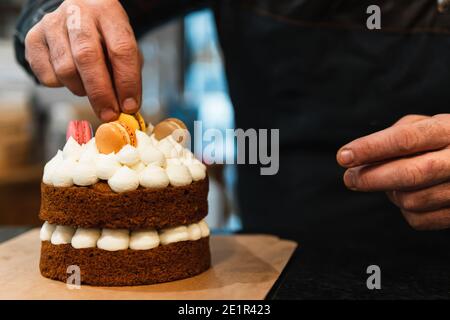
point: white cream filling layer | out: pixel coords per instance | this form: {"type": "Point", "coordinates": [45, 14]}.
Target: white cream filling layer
{"type": "Point", "coordinates": [152, 164]}
{"type": "Point", "coordinates": [121, 239]}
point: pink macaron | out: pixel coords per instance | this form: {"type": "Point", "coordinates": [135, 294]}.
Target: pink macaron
{"type": "Point", "coordinates": [80, 130]}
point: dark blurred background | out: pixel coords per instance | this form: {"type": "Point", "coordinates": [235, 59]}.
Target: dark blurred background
{"type": "Point", "coordinates": [183, 77]}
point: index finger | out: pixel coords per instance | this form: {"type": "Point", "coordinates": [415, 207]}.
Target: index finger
{"type": "Point", "coordinates": [125, 60]}
{"type": "Point", "coordinates": [88, 56]}
{"type": "Point", "coordinates": [396, 141]}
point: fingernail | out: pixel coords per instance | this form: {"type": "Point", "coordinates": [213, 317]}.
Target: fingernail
{"type": "Point", "coordinates": [108, 115]}
{"type": "Point", "coordinates": [350, 180]}
{"type": "Point", "coordinates": [130, 105]}
{"type": "Point", "coordinates": [346, 156]}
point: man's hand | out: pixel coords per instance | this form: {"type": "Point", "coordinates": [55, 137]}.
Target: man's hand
{"type": "Point", "coordinates": [89, 47]}
{"type": "Point", "coordinates": [411, 162]}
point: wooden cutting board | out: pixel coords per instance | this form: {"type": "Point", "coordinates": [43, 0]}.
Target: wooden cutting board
{"type": "Point", "coordinates": [243, 267]}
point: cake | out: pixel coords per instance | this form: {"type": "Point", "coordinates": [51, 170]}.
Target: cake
{"type": "Point", "coordinates": [127, 206]}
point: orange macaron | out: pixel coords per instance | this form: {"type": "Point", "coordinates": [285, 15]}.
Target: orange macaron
{"type": "Point", "coordinates": [134, 121]}
{"type": "Point", "coordinates": [168, 127]}
{"type": "Point", "coordinates": [113, 136]}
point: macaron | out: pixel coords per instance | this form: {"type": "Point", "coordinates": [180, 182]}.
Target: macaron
{"type": "Point", "coordinates": [80, 130]}
{"type": "Point", "coordinates": [113, 136]}
{"type": "Point", "coordinates": [134, 121]}
{"type": "Point", "coordinates": [168, 126]}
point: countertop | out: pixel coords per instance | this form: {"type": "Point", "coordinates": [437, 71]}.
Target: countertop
{"type": "Point", "coordinates": [327, 270]}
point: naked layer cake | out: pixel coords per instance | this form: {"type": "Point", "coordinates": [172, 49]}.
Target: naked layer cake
{"type": "Point", "coordinates": [126, 206]}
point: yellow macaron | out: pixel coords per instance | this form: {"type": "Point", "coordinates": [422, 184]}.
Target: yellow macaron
{"type": "Point", "coordinates": [134, 121]}
{"type": "Point", "coordinates": [113, 136]}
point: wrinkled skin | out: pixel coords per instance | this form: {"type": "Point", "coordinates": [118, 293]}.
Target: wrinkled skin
{"type": "Point", "coordinates": [90, 48]}
{"type": "Point", "coordinates": [410, 161]}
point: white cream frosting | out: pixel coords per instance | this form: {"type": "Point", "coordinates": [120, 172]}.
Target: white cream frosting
{"type": "Point", "coordinates": [46, 231]}
{"type": "Point", "coordinates": [90, 146]}
{"type": "Point", "coordinates": [62, 235]}
{"type": "Point", "coordinates": [72, 149]}
{"type": "Point", "coordinates": [49, 169]}
{"type": "Point", "coordinates": [153, 177]}
{"type": "Point", "coordinates": [114, 239]}
{"type": "Point", "coordinates": [63, 173]}
{"type": "Point", "coordinates": [121, 239]}
{"type": "Point", "coordinates": [154, 140]}
{"type": "Point", "coordinates": [152, 164]}
{"type": "Point", "coordinates": [197, 171]}
{"type": "Point", "coordinates": [84, 174]}
{"type": "Point", "coordinates": [85, 238]}
{"type": "Point", "coordinates": [106, 165]}
{"type": "Point", "coordinates": [196, 168]}
{"type": "Point", "coordinates": [204, 228]}
{"type": "Point", "coordinates": [174, 235]}
{"type": "Point", "coordinates": [138, 167]}
{"type": "Point", "coordinates": [178, 174]}
{"type": "Point", "coordinates": [128, 155]}
{"type": "Point", "coordinates": [125, 179]}
{"type": "Point", "coordinates": [170, 148]}
{"type": "Point", "coordinates": [151, 155]}
{"type": "Point", "coordinates": [194, 231]}
{"type": "Point", "coordinates": [174, 161]}
{"type": "Point", "coordinates": [143, 140]}
{"type": "Point", "coordinates": [144, 239]}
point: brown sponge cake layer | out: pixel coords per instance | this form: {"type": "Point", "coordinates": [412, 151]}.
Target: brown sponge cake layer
{"type": "Point", "coordinates": [97, 206]}
{"type": "Point", "coordinates": [99, 267]}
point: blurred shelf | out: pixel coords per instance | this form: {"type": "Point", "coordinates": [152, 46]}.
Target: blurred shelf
{"type": "Point", "coordinates": [26, 174]}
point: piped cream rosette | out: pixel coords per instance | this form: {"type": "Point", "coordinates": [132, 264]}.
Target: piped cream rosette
{"type": "Point", "coordinates": [122, 239]}
{"type": "Point", "coordinates": [151, 164]}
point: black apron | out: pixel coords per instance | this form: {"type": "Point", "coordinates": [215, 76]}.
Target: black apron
{"type": "Point", "coordinates": [315, 71]}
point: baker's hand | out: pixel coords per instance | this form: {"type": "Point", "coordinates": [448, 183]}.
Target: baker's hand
{"type": "Point", "coordinates": [411, 162]}
{"type": "Point", "coordinates": [89, 47]}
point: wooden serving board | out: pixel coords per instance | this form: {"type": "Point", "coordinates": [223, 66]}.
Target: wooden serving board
{"type": "Point", "coordinates": [243, 267]}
